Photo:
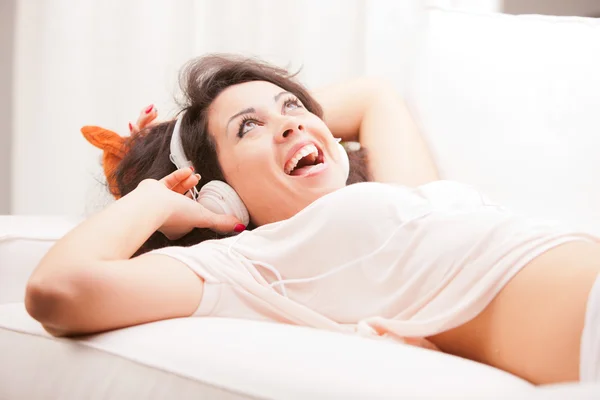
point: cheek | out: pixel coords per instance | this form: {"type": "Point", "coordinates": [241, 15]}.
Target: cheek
{"type": "Point", "coordinates": [247, 162]}
{"type": "Point", "coordinates": [250, 171]}
{"type": "Point", "coordinates": [317, 125]}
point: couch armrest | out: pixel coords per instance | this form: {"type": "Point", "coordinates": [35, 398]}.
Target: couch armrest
{"type": "Point", "coordinates": [23, 242]}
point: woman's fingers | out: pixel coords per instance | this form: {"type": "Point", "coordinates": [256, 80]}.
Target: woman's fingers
{"type": "Point", "coordinates": [133, 129]}
{"type": "Point", "coordinates": [185, 185]}
{"type": "Point", "coordinates": [219, 222]}
{"type": "Point", "coordinates": [421, 342]}
{"type": "Point", "coordinates": [146, 118]}
{"type": "Point", "coordinates": [179, 179]}
{"type": "Point", "coordinates": [147, 115]}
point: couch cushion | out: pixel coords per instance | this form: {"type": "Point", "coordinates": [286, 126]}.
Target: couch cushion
{"type": "Point", "coordinates": [23, 242]}
{"type": "Point", "coordinates": [227, 358]}
{"type": "Point", "coordinates": [510, 104]}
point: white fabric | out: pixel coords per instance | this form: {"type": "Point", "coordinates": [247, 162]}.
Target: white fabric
{"type": "Point", "coordinates": [23, 242]}
{"type": "Point", "coordinates": [590, 339]}
{"type": "Point", "coordinates": [510, 104]}
{"type": "Point", "coordinates": [405, 262]}
{"type": "Point", "coordinates": [88, 62]}
{"type": "Point", "coordinates": [222, 358]}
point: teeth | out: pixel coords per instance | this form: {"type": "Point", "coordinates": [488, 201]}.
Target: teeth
{"type": "Point", "coordinates": [303, 152]}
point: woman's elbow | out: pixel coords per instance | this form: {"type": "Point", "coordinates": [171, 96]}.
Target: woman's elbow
{"type": "Point", "coordinates": [49, 301]}
{"type": "Point", "coordinates": [376, 87]}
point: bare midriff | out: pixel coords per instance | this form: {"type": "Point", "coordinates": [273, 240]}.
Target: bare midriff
{"type": "Point", "coordinates": [533, 327]}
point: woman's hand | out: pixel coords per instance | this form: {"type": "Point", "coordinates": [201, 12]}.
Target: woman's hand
{"type": "Point", "coordinates": [146, 118]}
{"type": "Point", "coordinates": [421, 342]}
{"type": "Point", "coordinates": [185, 214]}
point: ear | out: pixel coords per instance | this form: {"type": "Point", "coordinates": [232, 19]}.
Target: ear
{"type": "Point", "coordinates": [104, 139]}
{"type": "Point", "coordinates": [113, 150]}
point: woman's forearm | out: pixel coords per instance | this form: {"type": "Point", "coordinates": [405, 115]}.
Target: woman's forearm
{"type": "Point", "coordinates": [63, 277]}
{"type": "Point", "coordinates": [88, 281]}
{"type": "Point", "coordinates": [369, 111]}
{"type": "Point", "coordinates": [398, 152]}
{"type": "Point", "coordinates": [112, 234]}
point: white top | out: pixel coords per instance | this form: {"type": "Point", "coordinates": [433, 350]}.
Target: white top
{"type": "Point", "coordinates": [373, 258]}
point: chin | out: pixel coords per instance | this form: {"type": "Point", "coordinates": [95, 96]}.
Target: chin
{"type": "Point", "coordinates": [298, 195]}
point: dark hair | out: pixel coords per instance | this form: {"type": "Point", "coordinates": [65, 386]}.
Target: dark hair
{"type": "Point", "coordinates": [202, 80]}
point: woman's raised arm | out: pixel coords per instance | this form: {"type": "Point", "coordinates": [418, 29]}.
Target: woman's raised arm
{"type": "Point", "coordinates": [88, 283]}
{"type": "Point", "coordinates": [371, 112]}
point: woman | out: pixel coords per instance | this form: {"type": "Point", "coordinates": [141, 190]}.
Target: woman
{"type": "Point", "coordinates": [408, 259]}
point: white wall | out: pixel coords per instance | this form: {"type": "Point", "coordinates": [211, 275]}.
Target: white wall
{"type": "Point", "coordinates": [582, 8]}
{"type": "Point", "coordinates": [99, 63]}
{"type": "Point", "coordinates": [469, 5]}
{"type": "Point", "coordinates": [91, 62]}
{"type": "Point", "coordinates": [7, 14]}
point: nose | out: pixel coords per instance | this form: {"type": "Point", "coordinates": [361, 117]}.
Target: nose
{"type": "Point", "coordinates": [289, 130]}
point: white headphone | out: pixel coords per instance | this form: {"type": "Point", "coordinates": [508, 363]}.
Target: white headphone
{"type": "Point", "coordinates": [218, 196]}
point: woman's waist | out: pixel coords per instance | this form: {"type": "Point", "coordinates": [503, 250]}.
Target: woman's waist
{"type": "Point", "coordinates": [533, 326]}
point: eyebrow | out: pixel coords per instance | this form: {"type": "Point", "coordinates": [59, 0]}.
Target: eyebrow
{"type": "Point", "coordinates": [252, 109]}
{"type": "Point", "coordinates": [277, 96]}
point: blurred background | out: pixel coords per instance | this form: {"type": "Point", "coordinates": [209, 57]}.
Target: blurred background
{"type": "Point", "coordinates": [68, 63]}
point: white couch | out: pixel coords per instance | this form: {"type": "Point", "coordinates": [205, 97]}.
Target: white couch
{"type": "Point", "coordinates": [507, 103]}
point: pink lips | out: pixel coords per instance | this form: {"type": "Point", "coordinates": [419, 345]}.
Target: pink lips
{"type": "Point", "coordinates": [316, 170]}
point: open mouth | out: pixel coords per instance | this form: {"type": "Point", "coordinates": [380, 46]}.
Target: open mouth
{"type": "Point", "coordinates": [304, 161]}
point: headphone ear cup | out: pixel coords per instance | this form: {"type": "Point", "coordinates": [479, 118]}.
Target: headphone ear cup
{"type": "Point", "coordinates": [344, 160]}
{"type": "Point", "coordinates": [220, 198]}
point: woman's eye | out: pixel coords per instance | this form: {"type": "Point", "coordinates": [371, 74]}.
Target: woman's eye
{"type": "Point", "coordinates": [246, 126]}
{"type": "Point", "coordinates": [249, 125]}
{"type": "Point", "coordinates": [292, 104]}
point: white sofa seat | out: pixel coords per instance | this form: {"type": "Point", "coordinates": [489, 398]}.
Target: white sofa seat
{"type": "Point", "coordinates": [229, 359]}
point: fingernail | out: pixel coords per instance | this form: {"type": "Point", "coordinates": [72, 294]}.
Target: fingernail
{"type": "Point", "coordinates": [239, 228]}
{"type": "Point", "coordinates": [130, 127]}
{"type": "Point", "coordinates": [198, 176]}
{"type": "Point", "coordinates": [150, 107]}
{"type": "Point", "coordinates": [192, 168]}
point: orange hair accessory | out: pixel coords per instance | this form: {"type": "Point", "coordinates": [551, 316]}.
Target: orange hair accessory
{"type": "Point", "coordinates": [114, 148]}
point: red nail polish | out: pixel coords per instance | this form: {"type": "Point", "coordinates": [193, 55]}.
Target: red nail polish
{"type": "Point", "coordinates": [239, 228]}
{"type": "Point", "coordinates": [130, 127]}
{"type": "Point", "coordinates": [150, 107]}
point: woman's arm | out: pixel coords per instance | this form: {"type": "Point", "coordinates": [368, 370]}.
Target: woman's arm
{"type": "Point", "coordinates": [370, 112]}
{"type": "Point", "coordinates": [87, 282]}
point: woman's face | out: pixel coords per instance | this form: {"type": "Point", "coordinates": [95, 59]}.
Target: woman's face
{"type": "Point", "coordinates": [278, 156]}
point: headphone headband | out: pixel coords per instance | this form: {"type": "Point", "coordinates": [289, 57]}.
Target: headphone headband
{"type": "Point", "coordinates": [177, 155]}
